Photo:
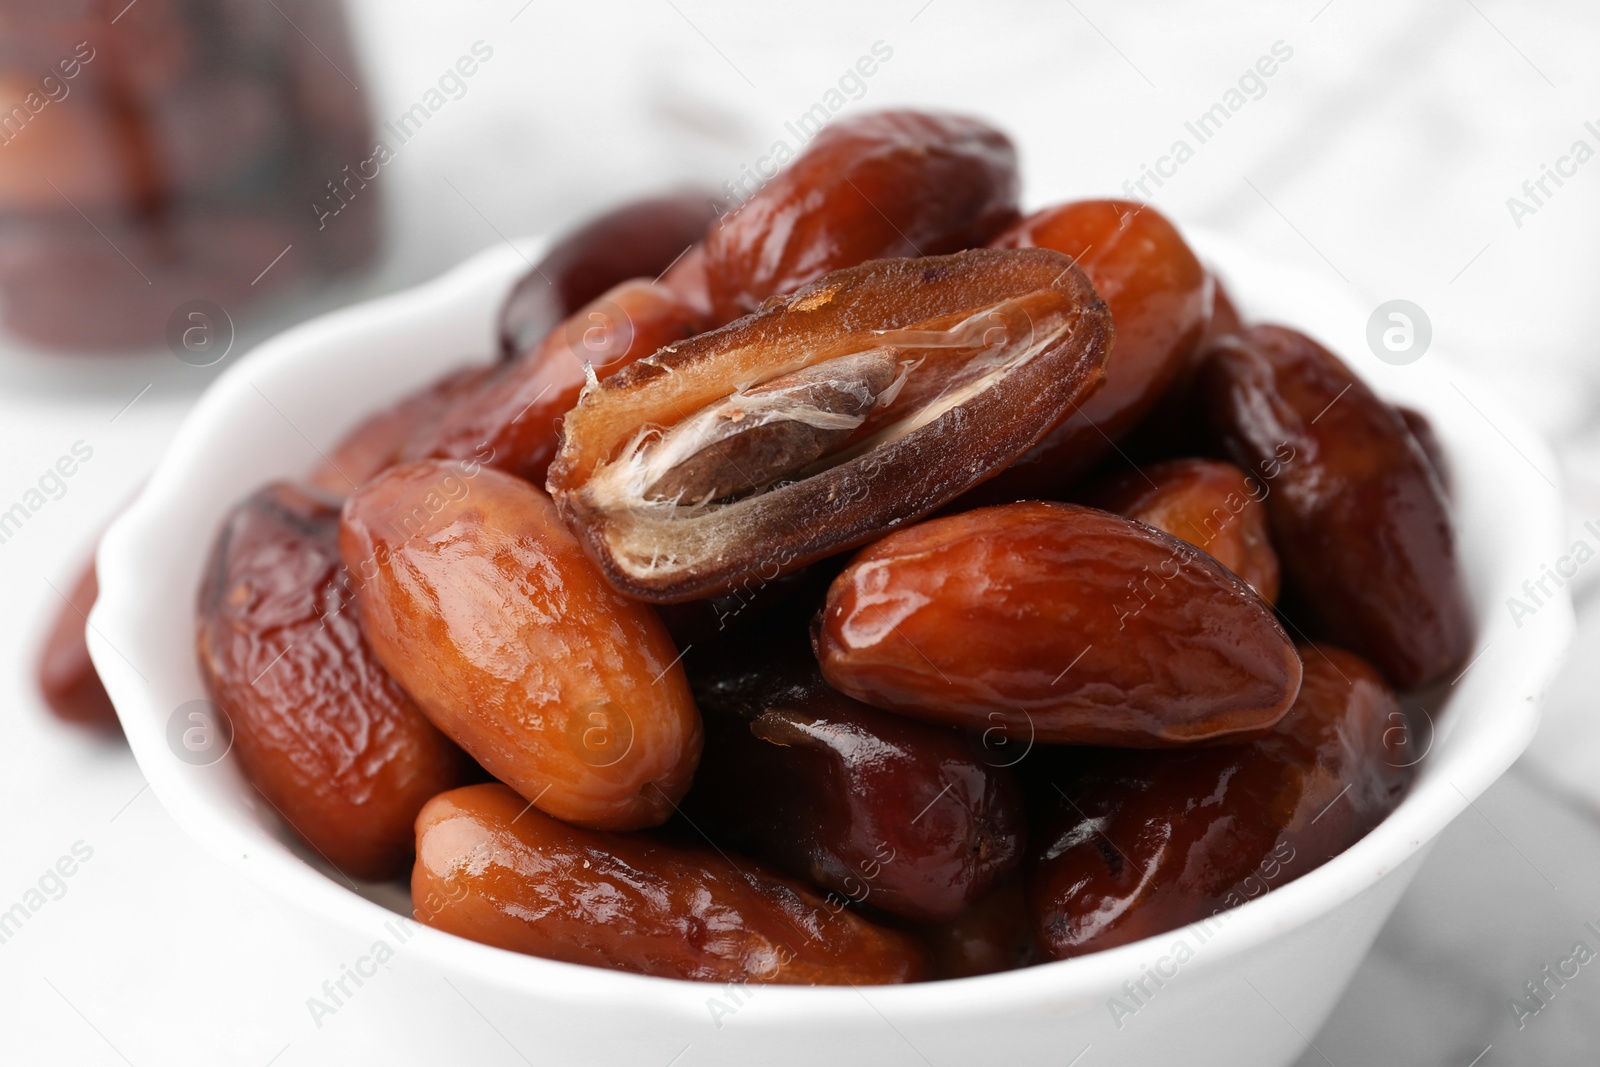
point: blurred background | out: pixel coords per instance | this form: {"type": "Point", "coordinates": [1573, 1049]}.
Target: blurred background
{"type": "Point", "coordinates": [1402, 151]}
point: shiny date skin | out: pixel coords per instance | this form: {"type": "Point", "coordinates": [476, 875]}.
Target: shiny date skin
{"type": "Point", "coordinates": [884, 811]}
{"type": "Point", "coordinates": [510, 419]}
{"type": "Point", "coordinates": [492, 870]}
{"type": "Point", "coordinates": [877, 186]}
{"type": "Point", "coordinates": [486, 610]}
{"type": "Point", "coordinates": [1359, 518]}
{"type": "Point", "coordinates": [1212, 505]}
{"type": "Point", "coordinates": [66, 675]}
{"type": "Point", "coordinates": [1062, 624]}
{"type": "Point", "coordinates": [1161, 302]}
{"type": "Point", "coordinates": [640, 239]}
{"type": "Point", "coordinates": [871, 397]}
{"type": "Point", "coordinates": [1146, 842]}
{"type": "Point", "coordinates": [319, 727]}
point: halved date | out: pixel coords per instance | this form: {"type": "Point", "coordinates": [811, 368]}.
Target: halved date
{"type": "Point", "coordinates": [888, 184]}
{"type": "Point", "coordinates": [1141, 843]}
{"type": "Point", "coordinates": [634, 240]}
{"type": "Point", "coordinates": [871, 397]}
{"type": "Point", "coordinates": [487, 611]}
{"type": "Point", "coordinates": [490, 869]}
{"type": "Point", "coordinates": [1358, 516]}
{"type": "Point", "coordinates": [320, 728]}
{"type": "Point", "coordinates": [1059, 624]}
{"type": "Point", "coordinates": [1214, 506]}
{"type": "Point", "coordinates": [883, 811]}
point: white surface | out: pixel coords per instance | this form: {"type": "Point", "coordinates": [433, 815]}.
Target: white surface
{"type": "Point", "coordinates": [1388, 144]}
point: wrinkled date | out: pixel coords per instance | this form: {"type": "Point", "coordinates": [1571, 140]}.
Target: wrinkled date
{"type": "Point", "coordinates": [873, 396]}
{"type": "Point", "coordinates": [893, 183]}
{"type": "Point", "coordinates": [509, 419]}
{"type": "Point", "coordinates": [1214, 506]}
{"type": "Point", "coordinates": [636, 240]}
{"type": "Point", "coordinates": [882, 810]}
{"type": "Point", "coordinates": [1062, 623]}
{"type": "Point", "coordinates": [490, 869]}
{"type": "Point", "coordinates": [486, 610]}
{"type": "Point", "coordinates": [1160, 301]}
{"type": "Point", "coordinates": [67, 679]}
{"type": "Point", "coordinates": [320, 728]}
{"type": "Point", "coordinates": [1358, 518]}
{"type": "Point", "coordinates": [1147, 842]}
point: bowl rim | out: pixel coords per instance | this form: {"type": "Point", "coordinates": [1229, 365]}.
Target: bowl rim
{"type": "Point", "coordinates": [1437, 797]}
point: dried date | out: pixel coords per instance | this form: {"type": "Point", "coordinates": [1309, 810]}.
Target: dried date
{"type": "Point", "coordinates": [887, 812]}
{"type": "Point", "coordinates": [1358, 517]}
{"type": "Point", "coordinates": [480, 602]}
{"type": "Point", "coordinates": [490, 869]}
{"type": "Point", "coordinates": [1060, 624]}
{"type": "Point", "coordinates": [1142, 843]}
{"type": "Point", "coordinates": [879, 186]}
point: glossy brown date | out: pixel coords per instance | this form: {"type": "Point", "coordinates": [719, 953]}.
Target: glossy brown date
{"type": "Point", "coordinates": [510, 419]}
{"type": "Point", "coordinates": [485, 609]}
{"type": "Point", "coordinates": [66, 675]}
{"type": "Point", "coordinates": [1060, 624]}
{"type": "Point", "coordinates": [878, 186]}
{"type": "Point", "coordinates": [1213, 506]}
{"type": "Point", "coordinates": [490, 869]}
{"type": "Point", "coordinates": [1160, 301]}
{"type": "Point", "coordinates": [883, 811]}
{"type": "Point", "coordinates": [869, 398]}
{"type": "Point", "coordinates": [1147, 842]}
{"type": "Point", "coordinates": [320, 728]}
{"type": "Point", "coordinates": [1358, 517]}
{"type": "Point", "coordinates": [636, 240]}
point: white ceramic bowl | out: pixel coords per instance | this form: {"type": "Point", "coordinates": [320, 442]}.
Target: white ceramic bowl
{"type": "Point", "coordinates": [1252, 992]}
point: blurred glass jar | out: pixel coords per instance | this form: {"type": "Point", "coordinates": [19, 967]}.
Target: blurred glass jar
{"type": "Point", "coordinates": [159, 152]}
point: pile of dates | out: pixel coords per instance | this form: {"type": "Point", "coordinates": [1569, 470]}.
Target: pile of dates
{"type": "Point", "coordinates": [874, 584]}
